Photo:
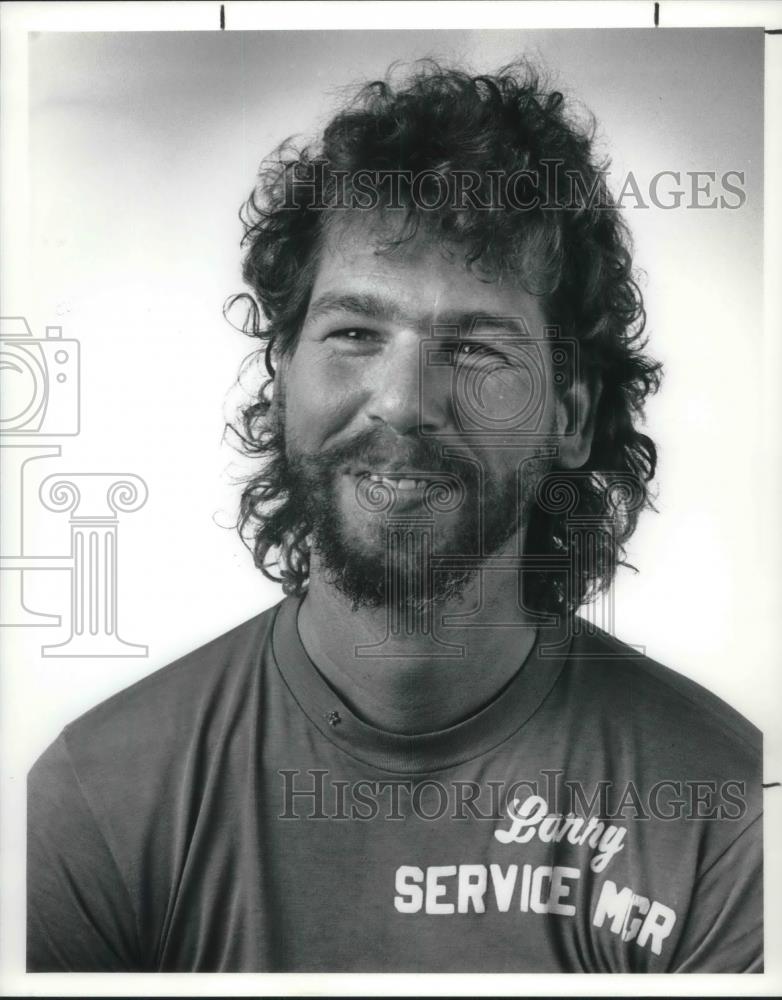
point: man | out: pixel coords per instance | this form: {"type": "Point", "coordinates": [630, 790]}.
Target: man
{"type": "Point", "coordinates": [421, 759]}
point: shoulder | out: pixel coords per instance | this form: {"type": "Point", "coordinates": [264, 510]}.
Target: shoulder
{"type": "Point", "coordinates": [666, 709]}
{"type": "Point", "coordinates": [190, 698]}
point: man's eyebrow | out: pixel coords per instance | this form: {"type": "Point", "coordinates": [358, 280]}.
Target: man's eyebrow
{"type": "Point", "coordinates": [468, 323]}
{"type": "Point", "coordinates": [367, 304]}
{"type": "Point", "coordinates": [377, 307]}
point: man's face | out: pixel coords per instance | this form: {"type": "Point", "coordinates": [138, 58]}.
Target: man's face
{"type": "Point", "coordinates": [384, 430]}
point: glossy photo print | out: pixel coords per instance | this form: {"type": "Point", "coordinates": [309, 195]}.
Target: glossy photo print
{"type": "Point", "coordinates": [389, 576]}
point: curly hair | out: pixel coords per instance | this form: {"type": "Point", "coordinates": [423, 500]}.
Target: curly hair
{"type": "Point", "coordinates": [563, 238]}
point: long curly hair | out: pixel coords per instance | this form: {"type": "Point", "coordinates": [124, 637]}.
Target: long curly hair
{"type": "Point", "coordinates": [561, 237]}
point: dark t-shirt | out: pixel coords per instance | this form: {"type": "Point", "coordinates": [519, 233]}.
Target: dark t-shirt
{"type": "Point", "coordinates": [230, 813]}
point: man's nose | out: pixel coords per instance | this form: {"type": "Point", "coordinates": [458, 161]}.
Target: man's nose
{"type": "Point", "coordinates": [401, 398]}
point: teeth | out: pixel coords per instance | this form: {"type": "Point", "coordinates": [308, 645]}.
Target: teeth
{"type": "Point", "coordinates": [400, 484]}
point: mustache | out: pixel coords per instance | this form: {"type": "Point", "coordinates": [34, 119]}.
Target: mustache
{"type": "Point", "coordinates": [375, 448]}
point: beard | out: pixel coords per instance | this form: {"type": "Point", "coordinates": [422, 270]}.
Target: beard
{"type": "Point", "coordinates": [380, 549]}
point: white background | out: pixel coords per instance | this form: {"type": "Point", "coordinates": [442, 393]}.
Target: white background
{"type": "Point", "coordinates": [123, 230]}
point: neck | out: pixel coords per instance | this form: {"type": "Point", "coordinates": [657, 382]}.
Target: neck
{"type": "Point", "coordinates": [428, 674]}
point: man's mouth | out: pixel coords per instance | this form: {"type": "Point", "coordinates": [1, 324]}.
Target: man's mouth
{"type": "Point", "coordinates": [401, 480]}
{"type": "Point", "coordinates": [398, 482]}
{"type": "Point", "coordinates": [404, 488]}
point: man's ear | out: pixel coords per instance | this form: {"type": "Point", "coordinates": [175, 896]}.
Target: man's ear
{"type": "Point", "coordinates": [576, 415]}
{"type": "Point", "coordinates": [276, 364]}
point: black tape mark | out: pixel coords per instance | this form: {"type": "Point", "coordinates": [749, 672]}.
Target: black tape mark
{"type": "Point", "coordinates": [222, 17]}
{"type": "Point", "coordinates": [657, 15]}
{"type": "Point", "coordinates": [773, 784]}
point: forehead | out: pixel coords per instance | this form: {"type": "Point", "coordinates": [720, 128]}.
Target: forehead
{"type": "Point", "coordinates": [422, 280]}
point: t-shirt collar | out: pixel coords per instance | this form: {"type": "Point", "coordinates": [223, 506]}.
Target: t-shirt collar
{"type": "Point", "coordinates": [424, 752]}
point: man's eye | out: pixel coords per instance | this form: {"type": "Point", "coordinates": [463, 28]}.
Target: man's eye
{"type": "Point", "coordinates": [466, 351]}
{"type": "Point", "coordinates": [353, 335]}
